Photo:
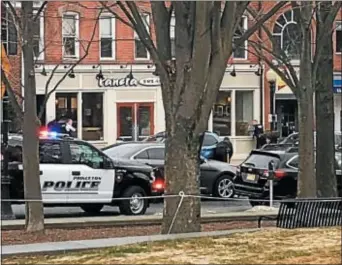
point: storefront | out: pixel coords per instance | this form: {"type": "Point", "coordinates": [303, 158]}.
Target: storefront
{"type": "Point", "coordinates": [338, 101]}
{"type": "Point", "coordinates": [104, 109]}
{"type": "Point", "coordinates": [238, 103]}
{"type": "Point", "coordinates": [119, 106]}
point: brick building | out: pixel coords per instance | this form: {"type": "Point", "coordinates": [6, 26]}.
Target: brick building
{"type": "Point", "coordinates": [105, 105]}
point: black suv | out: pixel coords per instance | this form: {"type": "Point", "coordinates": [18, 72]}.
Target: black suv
{"type": "Point", "coordinates": [75, 173]}
{"type": "Point", "coordinates": [251, 178]}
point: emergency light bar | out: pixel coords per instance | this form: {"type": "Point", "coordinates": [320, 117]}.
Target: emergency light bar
{"type": "Point", "coordinates": [47, 134]}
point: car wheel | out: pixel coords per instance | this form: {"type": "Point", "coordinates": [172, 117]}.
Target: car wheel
{"type": "Point", "coordinates": [136, 205]}
{"type": "Point", "coordinates": [224, 187]}
{"type": "Point", "coordinates": [92, 208]}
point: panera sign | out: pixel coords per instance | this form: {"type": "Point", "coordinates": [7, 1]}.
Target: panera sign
{"type": "Point", "coordinates": [128, 82]}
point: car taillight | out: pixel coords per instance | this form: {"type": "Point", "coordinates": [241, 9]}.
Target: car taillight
{"type": "Point", "coordinates": [265, 173]}
{"type": "Point", "coordinates": [279, 174]}
{"type": "Point", "coordinates": [158, 184]}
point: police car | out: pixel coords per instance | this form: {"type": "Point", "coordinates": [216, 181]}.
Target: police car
{"type": "Point", "coordinates": [75, 173]}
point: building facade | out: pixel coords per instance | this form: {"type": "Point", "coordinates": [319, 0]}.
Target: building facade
{"type": "Point", "coordinates": [113, 92]}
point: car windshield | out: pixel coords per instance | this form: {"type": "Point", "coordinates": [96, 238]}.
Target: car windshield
{"type": "Point", "coordinates": [260, 160]}
{"type": "Point", "coordinates": [123, 150]}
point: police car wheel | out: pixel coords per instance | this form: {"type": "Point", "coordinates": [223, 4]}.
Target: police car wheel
{"type": "Point", "coordinates": [92, 208]}
{"type": "Point", "coordinates": [136, 205]}
{"type": "Point", "coordinates": [224, 187]}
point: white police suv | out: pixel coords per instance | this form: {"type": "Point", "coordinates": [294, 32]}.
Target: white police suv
{"type": "Point", "coordinates": [75, 173]}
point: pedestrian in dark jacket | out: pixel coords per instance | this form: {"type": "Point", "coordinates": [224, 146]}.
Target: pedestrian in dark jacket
{"type": "Point", "coordinates": [224, 150]}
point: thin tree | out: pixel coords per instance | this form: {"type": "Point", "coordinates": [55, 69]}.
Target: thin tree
{"type": "Point", "coordinates": [305, 86]}
{"type": "Point", "coordinates": [34, 207]}
{"type": "Point", "coordinates": [190, 82]}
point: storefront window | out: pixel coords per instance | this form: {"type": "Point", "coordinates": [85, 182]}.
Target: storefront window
{"type": "Point", "coordinates": [222, 114]}
{"type": "Point", "coordinates": [92, 116]}
{"type": "Point", "coordinates": [243, 112]}
{"type": "Point", "coordinates": [66, 107]}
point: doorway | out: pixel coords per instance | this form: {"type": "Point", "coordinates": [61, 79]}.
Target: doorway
{"type": "Point", "coordinates": [40, 102]}
{"type": "Point", "coordinates": [66, 107]}
{"type": "Point", "coordinates": [287, 111]}
{"type": "Point", "coordinates": [135, 121]}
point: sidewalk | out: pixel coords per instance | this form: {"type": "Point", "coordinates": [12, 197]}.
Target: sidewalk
{"type": "Point", "coordinates": [62, 247]}
{"type": "Point", "coordinates": [71, 222]}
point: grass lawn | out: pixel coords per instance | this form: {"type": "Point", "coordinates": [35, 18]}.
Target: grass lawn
{"type": "Point", "coordinates": [271, 246]}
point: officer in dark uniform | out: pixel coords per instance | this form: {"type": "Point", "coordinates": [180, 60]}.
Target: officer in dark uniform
{"type": "Point", "coordinates": [258, 134]}
{"type": "Point", "coordinates": [224, 150]}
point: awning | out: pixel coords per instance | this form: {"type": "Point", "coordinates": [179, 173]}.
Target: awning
{"type": "Point", "coordinates": [284, 93]}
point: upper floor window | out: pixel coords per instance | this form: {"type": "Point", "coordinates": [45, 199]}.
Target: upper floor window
{"type": "Point", "coordinates": [338, 37]}
{"type": "Point", "coordinates": [70, 35]}
{"type": "Point", "coordinates": [141, 52]}
{"type": "Point", "coordinates": [240, 52]}
{"type": "Point", "coordinates": [287, 35]}
{"type": "Point", "coordinates": [172, 36]}
{"type": "Point", "coordinates": [38, 38]}
{"type": "Point", "coordinates": [8, 31]}
{"type": "Point", "coordinates": [107, 37]}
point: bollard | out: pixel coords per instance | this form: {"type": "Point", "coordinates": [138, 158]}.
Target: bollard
{"type": "Point", "coordinates": [271, 168]}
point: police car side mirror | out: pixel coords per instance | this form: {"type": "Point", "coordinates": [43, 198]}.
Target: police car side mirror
{"type": "Point", "coordinates": [106, 164]}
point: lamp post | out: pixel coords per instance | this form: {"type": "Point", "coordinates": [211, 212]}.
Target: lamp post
{"type": "Point", "coordinates": [6, 207]}
{"type": "Point", "coordinates": [271, 78]}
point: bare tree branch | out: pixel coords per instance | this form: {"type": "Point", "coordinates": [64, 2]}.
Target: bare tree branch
{"type": "Point", "coordinates": [40, 10]}
{"type": "Point", "coordinates": [47, 96]}
{"type": "Point", "coordinates": [109, 9]}
{"type": "Point", "coordinates": [13, 11]}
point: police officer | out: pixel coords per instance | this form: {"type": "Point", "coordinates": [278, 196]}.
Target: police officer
{"type": "Point", "coordinates": [224, 150]}
{"type": "Point", "coordinates": [257, 133]}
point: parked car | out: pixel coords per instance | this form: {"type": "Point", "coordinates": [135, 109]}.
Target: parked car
{"type": "Point", "coordinates": [294, 139]}
{"type": "Point", "coordinates": [251, 178]}
{"type": "Point", "coordinates": [210, 141]}
{"type": "Point", "coordinates": [75, 173]}
{"type": "Point", "coordinates": [215, 179]}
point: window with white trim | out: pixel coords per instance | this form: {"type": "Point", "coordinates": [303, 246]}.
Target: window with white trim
{"type": "Point", "coordinates": [141, 52]}
{"type": "Point", "coordinates": [8, 32]}
{"type": "Point", "coordinates": [70, 33]}
{"type": "Point", "coordinates": [240, 52]}
{"type": "Point", "coordinates": [38, 37]}
{"type": "Point", "coordinates": [287, 35]}
{"type": "Point", "coordinates": [338, 37]}
{"type": "Point", "coordinates": [172, 36]}
{"type": "Point", "coordinates": [107, 37]}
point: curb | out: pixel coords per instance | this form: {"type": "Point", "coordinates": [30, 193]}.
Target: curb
{"type": "Point", "coordinates": [111, 222]}
{"type": "Point", "coordinates": [54, 248]}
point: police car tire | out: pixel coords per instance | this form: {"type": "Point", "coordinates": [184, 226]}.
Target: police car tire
{"type": "Point", "coordinates": [92, 208]}
{"type": "Point", "coordinates": [125, 207]}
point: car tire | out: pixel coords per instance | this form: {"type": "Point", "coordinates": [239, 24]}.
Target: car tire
{"type": "Point", "coordinates": [92, 208]}
{"type": "Point", "coordinates": [224, 187]}
{"type": "Point", "coordinates": [128, 207]}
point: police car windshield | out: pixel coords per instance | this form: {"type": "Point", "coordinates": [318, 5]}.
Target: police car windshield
{"type": "Point", "coordinates": [123, 150]}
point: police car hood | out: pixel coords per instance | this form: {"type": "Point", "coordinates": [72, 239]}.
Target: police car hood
{"type": "Point", "coordinates": [131, 165]}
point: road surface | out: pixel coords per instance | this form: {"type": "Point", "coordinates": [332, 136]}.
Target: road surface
{"type": "Point", "coordinates": [208, 206]}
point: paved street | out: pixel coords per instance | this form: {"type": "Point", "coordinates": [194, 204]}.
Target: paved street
{"type": "Point", "coordinates": [210, 207]}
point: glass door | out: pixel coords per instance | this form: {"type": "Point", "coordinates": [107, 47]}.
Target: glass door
{"type": "Point", "coordinates": [66, 107]}
{"type": "Point", "coordinates": [135, 121]}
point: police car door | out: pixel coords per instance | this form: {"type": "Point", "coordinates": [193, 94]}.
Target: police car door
{"type": "Point", "coordinates": [54, 174]}
{"type": "Point", "coordinates": [91, 175]}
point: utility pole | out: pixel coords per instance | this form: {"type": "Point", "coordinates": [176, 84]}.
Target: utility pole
{"type": "Point", "coordinates": [6, 207]}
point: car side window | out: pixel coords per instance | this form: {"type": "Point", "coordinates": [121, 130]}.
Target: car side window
{"type": "Point", "coordinates": [209, 140]}
{"type": "Point", "coordinates": [142, 155]}
{"type": "Point", "coordinates": [85, 154]}
{"type": "Point", "coordinates": [156, 153]}
{"type": "Point", "coordinates": [50, 153]}
{"type": "Point", "coordinates": [294, 162]}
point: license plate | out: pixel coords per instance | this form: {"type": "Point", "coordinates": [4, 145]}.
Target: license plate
{"type": "Point", "coordinates": [250, 177]}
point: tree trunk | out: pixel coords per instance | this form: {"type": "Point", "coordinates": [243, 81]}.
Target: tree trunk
{"type": "Point", "coordinates": [324, 97]}
{"type": "Point", "coordinates": [182, 175]}
{"type": "Point", "coordinates": [306, 174]}
{"type": "Point", "coordinates": [34, 206]}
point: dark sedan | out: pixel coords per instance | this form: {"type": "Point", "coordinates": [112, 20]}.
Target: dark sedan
{"type": "Point", "coordinates": [215, 179]}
